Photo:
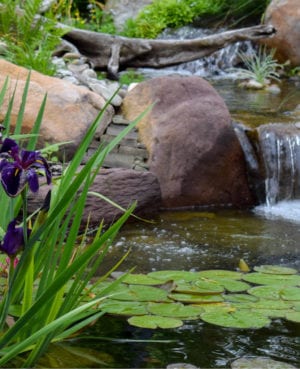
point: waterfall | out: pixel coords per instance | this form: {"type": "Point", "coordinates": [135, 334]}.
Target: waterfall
{"type": "Point", "coordinates": [215, 65]}
{"type": "Point", "coordinates": [280, 149]}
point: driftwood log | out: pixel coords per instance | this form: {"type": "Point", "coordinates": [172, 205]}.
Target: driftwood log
{"type": "Point", "coordinates": [114, 53]}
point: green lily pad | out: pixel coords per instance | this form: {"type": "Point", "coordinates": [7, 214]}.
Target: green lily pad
{"type": "Point", "coordinates": [125, 308]}
{"type": "Point", "coordinates": [219, 273]}
{"type": "Point", "coordinates": [240, 298]}
{"type": "Point", "coordinates": [236, 319]}
{"type": "Point", "coordinates": [296, 305]}
{"type": "Point", "coordinates": [141, 293]}
{"type": "Point", "coordinates": [272, 292]}
{"type": "Point", "coordinates": [175, 310]}
{"type": "Point", "coordinates": [275, 269]}
{"type": "Point", "coordinates": [233, 285]}
{"type": "Point", "coordinates": [199, 287]}
{"type": "Point", "coordinates": [141, 279]}
{"type": "Point", "coordinates": [293, 316]}
{"type": "Point", "coordinates": [274, 314]}
{"type": "Point", "coordinates": [154, 321]}
{"type": "Point", "coordinates": [193, 299]}
{"type": "Point", "coordinates": [176, 275]}
{"type": "Point", "coordinates": [270, 279]}
{"type": "Point", "coordinates": [271, 305]}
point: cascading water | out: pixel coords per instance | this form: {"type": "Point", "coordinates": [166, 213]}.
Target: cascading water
{"type": "Point", "coordinates": [216, 65]}
{"type": "Point", "coordinates": [279, 146]}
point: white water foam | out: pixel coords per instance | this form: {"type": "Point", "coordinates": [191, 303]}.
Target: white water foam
{"type": "Point", "coordinates": [288, 210]}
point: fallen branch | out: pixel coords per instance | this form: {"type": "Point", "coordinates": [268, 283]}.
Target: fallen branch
{"type": "Point", "coordinates": [115, 53]}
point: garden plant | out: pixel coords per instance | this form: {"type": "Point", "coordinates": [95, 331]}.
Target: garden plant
{"type": "Point", "coordinates": [46, 264]}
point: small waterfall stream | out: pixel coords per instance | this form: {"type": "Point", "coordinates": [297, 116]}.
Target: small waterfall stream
{"type": "Point", "coordinates": [216, 65]}
{"type": "Point", "coordinates": [279, 145]}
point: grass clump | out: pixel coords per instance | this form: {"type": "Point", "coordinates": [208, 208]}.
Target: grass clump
{"type": "Point", "coordinates": [260, 67]}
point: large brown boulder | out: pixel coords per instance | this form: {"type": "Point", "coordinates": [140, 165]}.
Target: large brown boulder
{"type": "Point", "coordinates": [192, 147]}
{"type": "Point", "coordinates": [69, 111]}
{"type": "Point", "coordinates": [123, 186]}
{"type": "Point", "coordinates": [284, 15]}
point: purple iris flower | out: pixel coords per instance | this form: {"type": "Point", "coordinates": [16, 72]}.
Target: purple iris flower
{"type": "Point", "coordinates": [20, 167]}
{"type": "Point", "coordinates": [13, 240]}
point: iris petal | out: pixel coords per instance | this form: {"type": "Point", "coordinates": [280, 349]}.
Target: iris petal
{"type": "Point", "coordinates": [10, 178]}
{"type": "Point", "coordinates": [8, 145]}
{"type": "Point", "coordinates": [13, 240]}
{"type": "Point", "coordinates": [32, 179]}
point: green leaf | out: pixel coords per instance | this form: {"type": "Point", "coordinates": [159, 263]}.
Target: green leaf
{"type": "Point", "coordinates": [274, 269]}
{"type": "Point", "coordinates": [175, 310]}
{"type": "Point", "coordinates": [293, 316]}
{"type": "Point", "coordinates": [154, 321]}
{"type": "Point", "coordinates": [141, 293]}
{"type": "Point", "coordinates": [240, 298]}
{"type": "Point", "coordinates": [194, 299]}
{"type": "Point", "coordinates": [219, 273]}
{"type": "Point", "coordinates": [232, 285]}
{"type": "Point", "coordinates": [270, 279]}
{"type": "Point", "coordinates": [199, 287]}
{"type": "Point", "coordinates": [123, 308]}
{"type": "Point", "coordinates": [236, 319]}
{"type": "Point", "coordinates": [141, 279]}
{"type": "Point", "coordinates": [176, 275]}
{"type": "Point", "coordinates": [273, 292]}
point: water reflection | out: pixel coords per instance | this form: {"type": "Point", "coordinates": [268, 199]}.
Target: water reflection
{"type": "Point", "coordinates": [202, 240]}
{"type": "Point", "coordinates": [200, 344]}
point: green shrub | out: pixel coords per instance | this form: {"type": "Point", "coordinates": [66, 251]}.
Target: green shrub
{"type": "Point", "coordinates": [154, 18]}
{"type": "Point", "coordinates": [30, 40]}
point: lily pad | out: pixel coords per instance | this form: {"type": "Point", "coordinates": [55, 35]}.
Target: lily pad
{"type": "Point", "coordinates": [141, 293]}
{"type": "Point", "coordinates": [219, 273]}
{"type": "Point", "coordinates": [193, 299]}
{"type": "Point", "coordinates": [275, 269]}
{"type": "Point", "coordinates": [154, 321]}
{"type": "Point", "coordinates": [270, 279]}
{"type": "Point", "coordinates": [236, 319]}
{"type": "Point", "coordinates": [141, 279]}
{"type": "Point", "coordinates": [276, 292]}
{"type": "Point", "coordinates": [175, 310]}
{"type": "Point", "coordinates": [240, 298]}
{"type": "Point", "coordinates": [176, 275]}
{"type": "Point", "coordinates": [200, 287]}
{"type": "Point", "coordinates": [125, 308]}
{"type": "Point", "coordinates": [233, 285]}
{"type": "Point", "coordinates": [293, 316]}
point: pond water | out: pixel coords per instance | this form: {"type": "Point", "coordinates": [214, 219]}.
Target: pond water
{"type": "Point", "coordinates": [192, 240]}
{"type": "Point", "coordinates": [199, 240]}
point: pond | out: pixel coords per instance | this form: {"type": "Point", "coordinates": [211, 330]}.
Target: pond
{"type": "Point", "coordinates": [194, 241]}
{"type": "Point", "coordinates": [199, 240]}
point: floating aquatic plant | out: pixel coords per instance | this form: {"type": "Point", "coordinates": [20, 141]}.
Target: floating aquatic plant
{"type": "Point", "coordinates": [219, 297]}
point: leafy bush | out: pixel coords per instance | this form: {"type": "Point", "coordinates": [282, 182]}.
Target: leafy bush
{"type": "Point", "coordinates": [161, 14]}
{"type": "Point", "coordinates": [30, 40]}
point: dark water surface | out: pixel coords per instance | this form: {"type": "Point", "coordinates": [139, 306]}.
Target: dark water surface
{"type": "Point", "coordinates": [200, 240]}
{"type": "Point", "coordinates": [191, 241]}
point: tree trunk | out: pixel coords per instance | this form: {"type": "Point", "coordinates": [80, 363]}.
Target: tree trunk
{"type": "Point", "coordinates": [115, 53]}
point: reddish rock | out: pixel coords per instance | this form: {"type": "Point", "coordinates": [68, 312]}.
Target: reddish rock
{"type": "Point", "coordinates": [192, 147]}
{"type": "Point", "coordinates": [69, 111]}
{"type": "Point", "coordinates": [284, 15]}
{"type": "Point", "coordinates": [124, 187]}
